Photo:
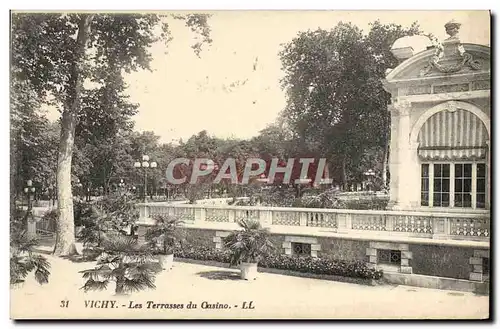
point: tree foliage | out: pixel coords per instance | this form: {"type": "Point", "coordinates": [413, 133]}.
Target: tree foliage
{"type": "Point", "coordinates": [76, 62]}
{"type": "Point", "coordinates": [336, 104]}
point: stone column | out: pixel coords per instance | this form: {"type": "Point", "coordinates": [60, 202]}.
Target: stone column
{"type": "Point", "coordinates": [393, 157]}
{"type": "Point", "coordinates": [402, 158]}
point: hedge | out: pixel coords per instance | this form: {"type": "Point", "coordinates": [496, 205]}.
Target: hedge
{"type": "Point", "coordinates": [323, 265]}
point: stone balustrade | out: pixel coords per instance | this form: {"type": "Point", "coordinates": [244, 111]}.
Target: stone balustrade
{"type": "Point", "coordinates": [415, 224]}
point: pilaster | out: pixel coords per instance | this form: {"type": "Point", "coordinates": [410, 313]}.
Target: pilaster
{"type": "Point", "coordinates": [402, 162]}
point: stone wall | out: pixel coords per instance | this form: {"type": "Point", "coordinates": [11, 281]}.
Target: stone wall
{"type": "Point", "coordinates": [199, 237]}
{"type": "Point", "coordinates": [425, 259]}
{"type": "Point", "coordinates": [343, 248]}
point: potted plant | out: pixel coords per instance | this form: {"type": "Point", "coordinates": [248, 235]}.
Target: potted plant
{"type": "Point", "coordinates": [162, 237]}
{"type": "Point", "coordinates": [247, 246]}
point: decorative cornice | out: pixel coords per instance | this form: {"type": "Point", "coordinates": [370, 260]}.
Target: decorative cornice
{"type": "Point", "coordinates": [432, 98]}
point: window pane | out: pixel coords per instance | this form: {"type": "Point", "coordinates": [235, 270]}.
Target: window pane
{"type": "Point", "coordinates": [459, 168]}
{"type": "Point", "coordinates": [468, 170]}
{"type": "Point", "coordinates": [458, 185]}
{"type": "Point", "coordinates": [445, 200]}
{"type": "Point", "coordinates": [425, 185]}
{"type": "Point", "coordinates": [424, 199]}
{"type": "Point", "coordinates": [437, 200]}
{"type": "Point", "coordinates": [467, 185]}
{"type": "Point", "coordinates": [481, 200]}
{"type": "Point", "coordinates": [446, 170]}
{"type": "Point", "coordinates": [437, 185]}
{"type": "Point", "coordinates": [458, 200]}
{"type": "Point", "coordinates": [467, 200]}
{"type": "Point", "coordinates": [446, 185]}
{"type": "Point", "coordinates": [481, 170]}
{"type": "Point", "coordinates": [481, 185]}
{"type": "Point", "coordinates": [437, 170]}
{"type": "Point", "coordinates": [425, 170]}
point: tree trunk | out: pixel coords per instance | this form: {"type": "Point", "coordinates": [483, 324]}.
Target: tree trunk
{"type": "Point", "coordinates": [65, 228]}
{"type": "Point", "coordinates": [385, 165]}
{"type": "Point", "coordinates": [344, 170]}
{"type": "Point", "coordinates": [120, 284]}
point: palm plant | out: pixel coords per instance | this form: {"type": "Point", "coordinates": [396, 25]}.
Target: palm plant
{"type": "Point", "coordinates": [164, 235]}
{"type": "Point", "coordinates": [249, 244]}
{"type": "Point", "coordinates": [123, 261]}
{"type": "Point", "coordinates": [23, 259]}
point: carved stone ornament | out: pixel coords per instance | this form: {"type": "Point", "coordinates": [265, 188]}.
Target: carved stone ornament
{"type": "Point", "coordinates": [400, 107]}
{"type": "Point", "coordinates": [451, 106]}
{"type": "Point", "coordinates": [451, 49]}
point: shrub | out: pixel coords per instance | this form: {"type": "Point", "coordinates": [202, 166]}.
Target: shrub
{"type": "Point", "coordinates": [325, 266]}
{"type": "Point", "coordinates": [81, 212]}
{"type": "Point", "coordinates": [108, 217]}
{"type": "Point", "coordinates": [367, 204]}
{"type": "Point", "coordinates": [23, 259]}
{"type": "Point", "coordinates": [202, 253]}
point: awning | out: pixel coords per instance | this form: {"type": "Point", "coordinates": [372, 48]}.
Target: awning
{"type": "Point", "coordinates": [453, 135]}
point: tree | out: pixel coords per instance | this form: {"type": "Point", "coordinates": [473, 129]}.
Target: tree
{"type": "Point", "coordinates": [47, 54]}
{"type": "Point", "coordinates": [336, 105]}
{"type": "Point", "coordinates": [32, 139]}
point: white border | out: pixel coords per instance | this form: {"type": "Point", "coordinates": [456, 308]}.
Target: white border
{"type": "Point", "coordinates": [181, 5]}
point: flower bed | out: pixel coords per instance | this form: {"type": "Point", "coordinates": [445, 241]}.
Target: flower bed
{"type": "Point", "coordinates": [322, 266]}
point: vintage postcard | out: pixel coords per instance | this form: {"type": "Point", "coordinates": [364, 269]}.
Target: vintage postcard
{"type": "Point", "coordinates": [250, 165]}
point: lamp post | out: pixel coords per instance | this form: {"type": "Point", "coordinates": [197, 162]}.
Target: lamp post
{"type": "Point", "coordinates": [29, 190]}
{"type": "Point", "coordinates": [78, 188]}
{"type": "Point", "coordinates": [52, 195]}
{"type": "Point", "coordinates": [264, 180]}
{"type": "Point", "coordinates": [121, 185]}
{"type": "Point", "coordinates": [369, 175]}
{"type": "Point", "coordinates": [145, 164]}
{"type": "Point", "coordinates": [302, 182]}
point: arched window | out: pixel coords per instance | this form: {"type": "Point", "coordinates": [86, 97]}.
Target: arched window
{"type": "Point", "coordinates": [452, 149]}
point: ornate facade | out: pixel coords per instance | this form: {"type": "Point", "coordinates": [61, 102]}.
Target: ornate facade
{"type": "Point", "coordinates": [440, 127]}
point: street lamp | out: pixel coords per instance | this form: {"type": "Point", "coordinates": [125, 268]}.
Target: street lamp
{"type": "Point", "coordinates": [145, 164]}
{"type": "Point", "coordinates": [302, 182]}
{"type": "Point", "coordinates": [121, 185]}
{"type": "Point", "coordinates": [78, 187]}
{"type": "Point", "coordinates": [29, 190]}
{"type": "Point", "coordinates": [369, 176]}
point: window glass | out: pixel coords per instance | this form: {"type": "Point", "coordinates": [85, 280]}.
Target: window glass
{"type": "Point", "coordinates": [424, 188]}
{"type": "Point", "coordinates": [441, 196]}
{"type": "Point", "coordinates": [463, 185]}
{"type": "Point", "coordinates": [481, 185]}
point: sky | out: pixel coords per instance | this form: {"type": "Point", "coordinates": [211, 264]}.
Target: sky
{"type": "Point", "coordinates": [185, 94]}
